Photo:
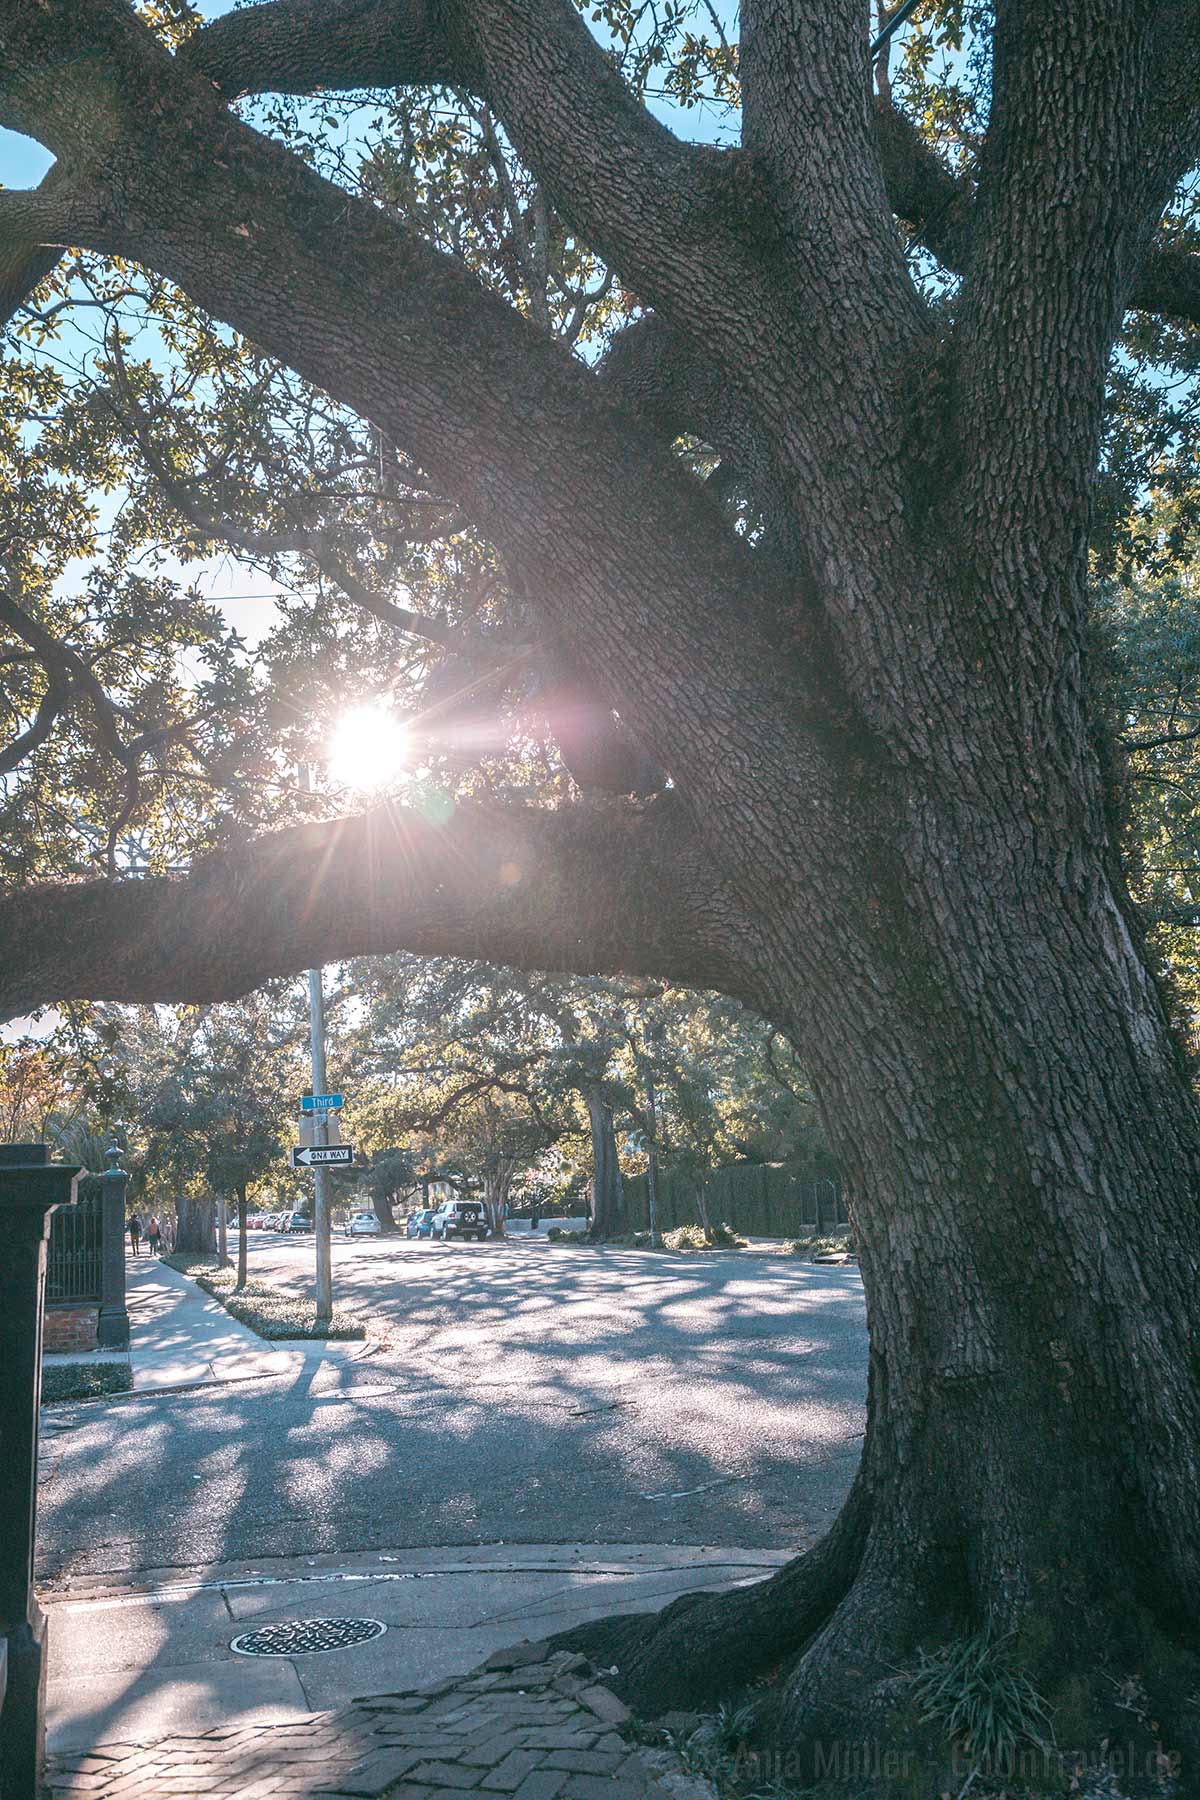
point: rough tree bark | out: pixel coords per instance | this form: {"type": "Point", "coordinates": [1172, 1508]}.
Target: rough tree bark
{"type": "Point", "coordinates": [196, 1227]}
{"type": "Point", "coordinates": [608, 1198]}
{"type": "Point", "coordinates": [886, 826]}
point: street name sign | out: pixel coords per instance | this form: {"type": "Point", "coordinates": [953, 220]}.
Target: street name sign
{"type": "Point", "coordinates": [321, 1102]}
{"type": "Point", "coordinates": [324, 1156]}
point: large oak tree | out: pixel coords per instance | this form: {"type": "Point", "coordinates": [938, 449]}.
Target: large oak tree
{"type": "Point", "coordinates": [886, 824]}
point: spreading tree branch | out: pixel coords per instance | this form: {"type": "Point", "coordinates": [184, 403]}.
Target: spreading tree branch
{"type": "Point", "coordinates": [637, 194]}
{"type": "Point", "coordinates": [299, 541]}
{"type": "Point", "coordinates": [69, 670]}
{"type": "Point", "coordinates": [575, 890]}
{"type": "Point", "coordinates": [53, 704]}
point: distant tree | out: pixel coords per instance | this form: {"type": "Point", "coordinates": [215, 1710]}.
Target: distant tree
{"type": "Point", "coordinates": [727, 1085]}
{"type": "Point", "coordinates": [203, 1095]}
{"type": "Point", "coordinates": [388, 1178]}
{"type": "Point", "coordinates": [36, 1081]}
{"type": "Point", "coordinates": [492, 1132]}
{"type": "Point", "coordinates": [244, 1072]}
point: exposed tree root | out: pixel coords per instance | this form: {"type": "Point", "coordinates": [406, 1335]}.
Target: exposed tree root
{"type": "Point", "coordinates": [833, 1640]}
{"type": "Point", "coordinates": [704, 1647]}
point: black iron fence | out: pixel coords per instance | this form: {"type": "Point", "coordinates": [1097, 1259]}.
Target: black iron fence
{"type": "Point", "coordinates": [73, 1255]}
{"type": "Point", "coordinates": [762, 1199]}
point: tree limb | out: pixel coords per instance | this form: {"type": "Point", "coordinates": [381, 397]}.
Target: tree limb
{"type": "Point", "coordinates": [302, 46]}
{"type": "Point", "coordinates": [23, 267]}
{"type": "Point", "coordinates": [1156, 743]}
{"type": "Point", "coordinates": [940, 209]}
{"type": "Point", "coordinates": [635, 192]}
{"type": "Point", "coordinates": [1058, 241]}
{"type": "Point", "coordinates": [53, 703]}
{"type": "Point", "coordinates": [72, 668]}
{"type": "Point", "coordinates": [574, 890]}
{"type": "Point", "coordinates": [296, 542]}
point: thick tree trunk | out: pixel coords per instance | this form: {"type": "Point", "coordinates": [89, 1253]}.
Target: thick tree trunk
{"type": "Point", "coordinates": [382, 1206]}
{"type": "Point", "coordinates": [242, 1211]}
{"type": "Point", "coordinates": [608, 1197]}
{"type": "Point", "coordinates": [1021, 1142]}
{"type": "Point", "coordinates": [495, 1200]}
{"type": "Point", "coordinates": [196, 1231]}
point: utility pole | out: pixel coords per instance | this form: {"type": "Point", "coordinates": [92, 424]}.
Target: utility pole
{"type": "Point", "coordinates": [316, 1009]}
{"type": "Point", "coordinates": [316, 1015]}
{"type": "Point", "coordinates": [651, 1137]}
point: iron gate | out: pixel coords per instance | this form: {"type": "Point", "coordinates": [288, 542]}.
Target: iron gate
{"type": "Point", "coordinates": [823, 1206]}
{"type": "Point", "coordinates": [73, 1255]}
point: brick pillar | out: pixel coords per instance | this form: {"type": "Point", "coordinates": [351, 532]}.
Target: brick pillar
{"type": "Point", "coordinates": [30, 1189]}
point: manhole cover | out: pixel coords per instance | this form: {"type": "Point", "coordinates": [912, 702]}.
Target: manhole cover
{"type": "Point", "coordinates": [305, 1637]}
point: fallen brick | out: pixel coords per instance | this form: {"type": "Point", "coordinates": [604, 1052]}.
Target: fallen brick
{"type": "Point", "coordinates": [604, 1703]}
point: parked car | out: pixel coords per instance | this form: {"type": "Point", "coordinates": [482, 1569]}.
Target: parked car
{"type": "Point", "coordinates": [460, 1218]}
{"type": "Point", "coordinates": [298, 1221]}
{"type": "Point", "coordinates": [363, 1224]}
{"type": "Point", "coordinates": [420, 1223]}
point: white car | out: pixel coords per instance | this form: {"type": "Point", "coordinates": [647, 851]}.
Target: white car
{"type": "Point", "coordinates": [363, 1224]}
{"type": "Point", "coordinates": [460, 1218]}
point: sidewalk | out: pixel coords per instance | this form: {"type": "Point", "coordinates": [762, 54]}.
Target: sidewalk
{"type": "Point", "coordinates": [530, 1722]}
{"type": "Point", "coordinates": [136, 1662]}
{"type": "Point", "coordinates": [181, 1337]}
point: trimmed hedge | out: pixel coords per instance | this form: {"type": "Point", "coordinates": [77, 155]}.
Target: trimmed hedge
{"type": "Point", "coordinates": [84, 1381]}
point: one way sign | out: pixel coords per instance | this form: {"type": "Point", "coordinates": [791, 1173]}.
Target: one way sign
{"type": "Point", "coordinates": [328, 1156]}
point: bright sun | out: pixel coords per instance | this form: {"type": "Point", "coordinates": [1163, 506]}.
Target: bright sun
{"type": "Point", "coordinates": [368, 748]}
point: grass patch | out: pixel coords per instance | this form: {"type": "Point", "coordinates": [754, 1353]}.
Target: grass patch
{"type": "Point", "coordinates": [271, 1312]}
{"type": "Point", "coordinates": [976, 1693]}
{"type": "Point", "coordinates": [684, 1237]}
{"type": "Point", "coordinates": [841, 1244]}
{"type": "Point", "coordinates": [84, 1381]}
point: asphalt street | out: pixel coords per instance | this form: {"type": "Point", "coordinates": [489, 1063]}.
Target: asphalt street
{"type": "Point", "coordinates": [517, 1393]}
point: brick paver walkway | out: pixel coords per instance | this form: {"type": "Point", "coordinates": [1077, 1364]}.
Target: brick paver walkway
{"type": "Point", "coordinates": [524, 1726]}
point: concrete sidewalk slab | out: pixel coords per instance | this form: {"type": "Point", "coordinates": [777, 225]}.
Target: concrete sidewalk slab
{"type": "Point", "coordinates": [181, 1337]}
{"type": "Point", "coordinates": [135, 1664]}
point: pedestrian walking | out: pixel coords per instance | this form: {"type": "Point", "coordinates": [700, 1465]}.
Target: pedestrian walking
{"type": "Point", "coordinates": [154, 1234]}
{"type": "Point", "coordinates": [135, 1234]}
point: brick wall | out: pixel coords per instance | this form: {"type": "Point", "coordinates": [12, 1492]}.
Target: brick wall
{"type": "Point", "coordinates": [70, 1328]}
